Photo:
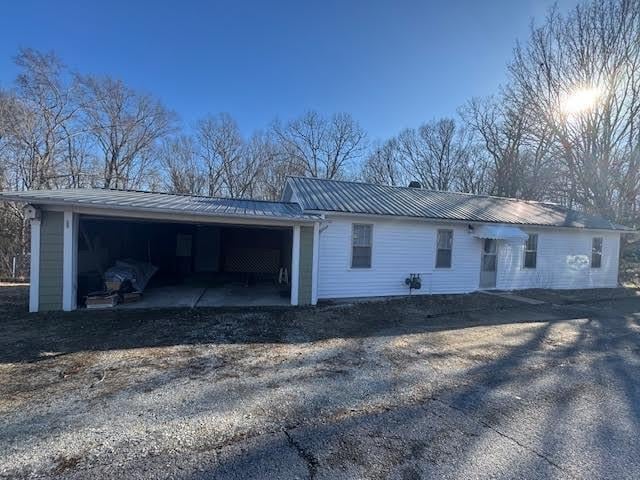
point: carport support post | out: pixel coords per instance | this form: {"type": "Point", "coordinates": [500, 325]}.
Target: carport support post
{"type": "Point", "coordinates": [70, 261]}
{"type": "Point", "coordinates": [295, 264]}
{"type": "Point", "coordinates": [314, 263]}
{"type": "Point", "coordinates": [34, 268]}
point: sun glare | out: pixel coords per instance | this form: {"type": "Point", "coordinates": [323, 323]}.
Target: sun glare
{"type": "Point", "coordinates": [581, 100]}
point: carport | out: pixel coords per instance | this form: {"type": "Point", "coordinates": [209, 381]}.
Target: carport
{"type": "Point", "coordinates": [194, 264]}
{"type": "Point", "coordinates": [204, 251]}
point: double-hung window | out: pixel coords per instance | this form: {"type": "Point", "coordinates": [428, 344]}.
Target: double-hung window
{"type": "Point", "coordinates": [361, 245]}
{"type": "Point", "coordinates": [445, 248]}
{"type": "Point", "coordinates": [596, 252]}
{"type": "Point", "coordinates": [531, 251]}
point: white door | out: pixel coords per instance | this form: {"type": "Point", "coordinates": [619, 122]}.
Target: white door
{"type": "Point", "coordinates": [489, 263]}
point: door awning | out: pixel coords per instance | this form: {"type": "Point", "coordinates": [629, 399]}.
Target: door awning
{"type": "Point", "coordinates": [500, 232]}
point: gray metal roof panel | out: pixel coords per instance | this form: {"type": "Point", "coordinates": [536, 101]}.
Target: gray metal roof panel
{"type": "Point", "coordinates": [364, 198]}
{"type": "Point", "coordinates": [129, 199]}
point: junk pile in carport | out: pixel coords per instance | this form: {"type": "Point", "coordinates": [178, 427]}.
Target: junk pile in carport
{"type": "Point", "coordinates": [124, 282]}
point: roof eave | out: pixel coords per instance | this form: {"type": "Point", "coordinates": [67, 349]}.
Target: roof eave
{"type": "Point", "coordinates": [108, 207]}
{"type": "Point", "coordinates": [324, 213]}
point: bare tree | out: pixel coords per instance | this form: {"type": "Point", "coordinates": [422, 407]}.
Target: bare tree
{"type": "Point", "coordinates": [219, 143]}
{"type": "Point", "coordinates": [271, 171]}
{"type": "Point", "coordinates": [345, 144]}
{"type": "Point", "coordinates": [6, 103]}
{"type": "Point", "coordinates": [37, 125]}
{"type": "Point", "coordinates": [321, 147]}
{"type": "Point", "coordinates": [183, 170]}
{"type": "Point", "coordinates": [384, 165]}
{"type": "Point", "coordinates": [38, 120]}
{"type": "Point", "coordinates": [501, 131]}
{"type": "Point", "coordinates": [434, 152]}
{"type": "Point", "coordinates": [518, 147]}
{"type": "Point", "coordinates": [126, 126]}
{"type": "Point", "coordinates": [474, 173]}
{"type": "Point", "coordinates": [276, 165]}
{"type": "Point", "coordinates": [230, 170]}
{"type": "Point", "coordinates": [242, 178]}
{"type": "Point", "coordinates": [579, 74]}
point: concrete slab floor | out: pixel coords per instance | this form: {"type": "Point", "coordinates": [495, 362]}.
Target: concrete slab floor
{"type": "Point", "coordinates": [241, 296]}
{"type": "Point", "coordinates": [167, 297]}
{"type": "Point", "coordinates": [188, 296]}
{"type": "Point", "coordinates": [513, 296]}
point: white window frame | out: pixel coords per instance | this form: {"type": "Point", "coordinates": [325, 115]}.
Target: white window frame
{"type": "Point", "coordinates": [435, 262]}
{"type": "Point", "coordinates": [524, 252]}
{"type": "Point", "coordinates": [601, 252]}
{"type": "Point", "coordinates": [351, 267]}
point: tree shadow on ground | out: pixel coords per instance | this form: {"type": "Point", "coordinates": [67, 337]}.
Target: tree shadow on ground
{"type": "Point", "coordinates": [561, 376]}
{"type": "Point", "coordinates": [33, 337]}
{"type": "Point", "coordinates": [580, 415]}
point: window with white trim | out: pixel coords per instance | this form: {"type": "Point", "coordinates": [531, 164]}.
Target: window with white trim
{"type": "Point", "coordinates": [531, 251]}
{"type": "Point", "coordinates": [596, 252]}
{"type": "Point", "coordinates": [361, 245]}
{"type": "Point", "coordinates": [445, 249]}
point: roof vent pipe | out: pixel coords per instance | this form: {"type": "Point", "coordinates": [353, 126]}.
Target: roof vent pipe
{"type": "Point", "coordinates": [414, 184]}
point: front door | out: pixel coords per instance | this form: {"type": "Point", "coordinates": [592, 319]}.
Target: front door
{"type": "Point", "coordinates": [489, 263]}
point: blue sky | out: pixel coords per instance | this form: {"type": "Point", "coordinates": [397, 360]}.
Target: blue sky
{"type": "Point", "coordinates": [391, 64]}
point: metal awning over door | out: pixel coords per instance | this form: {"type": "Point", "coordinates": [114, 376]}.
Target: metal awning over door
{"type": "Point", "coordinates": [500, 232]}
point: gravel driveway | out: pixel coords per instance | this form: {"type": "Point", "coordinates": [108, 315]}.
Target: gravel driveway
{"type": "Point", "coordinates": [443, 387]}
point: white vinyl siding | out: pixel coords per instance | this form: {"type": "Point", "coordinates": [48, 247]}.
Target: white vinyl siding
{"type": "Point", "coordinates": [401, 247]}
{"type": "Point", "coordinates": [563, 261]}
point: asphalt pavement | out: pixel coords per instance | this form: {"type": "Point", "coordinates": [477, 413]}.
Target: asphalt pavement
{"type": "Point", "coordinates": [519, 391]}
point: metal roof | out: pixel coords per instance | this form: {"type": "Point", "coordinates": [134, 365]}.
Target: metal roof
{"type": "Point", "coordinates": [365, 198]}
{"type": "Point", "coordinates": [161, 202]}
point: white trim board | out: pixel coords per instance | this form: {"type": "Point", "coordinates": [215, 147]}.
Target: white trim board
{"type": "Point", "coordinates": [315, 264]}
{"type": "Point", "coordinates": [295, 265]}
{"type": "Point", "coordinates": [69, 261]}
{"type": "Point", "coordinates": [34, 271]}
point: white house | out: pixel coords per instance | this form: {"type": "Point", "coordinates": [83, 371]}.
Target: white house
{"type": "Point", "coordinates": [326, 239]}
{"type": "Point", "coordinates": [456, 242]}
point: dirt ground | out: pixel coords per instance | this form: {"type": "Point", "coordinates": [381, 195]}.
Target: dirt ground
{"type": "Point", "coordinates": [465, 386]}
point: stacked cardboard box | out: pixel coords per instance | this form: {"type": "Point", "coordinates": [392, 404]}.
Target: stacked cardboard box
{"type": "Point", "coordinates": [98, 300]}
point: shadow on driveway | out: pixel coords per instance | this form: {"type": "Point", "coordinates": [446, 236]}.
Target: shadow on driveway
{"type": "Point", "coordinates": [32, 337]}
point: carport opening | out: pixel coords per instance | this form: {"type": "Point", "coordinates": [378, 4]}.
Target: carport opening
{"type": "Point", "coordinates": [191, 265]}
